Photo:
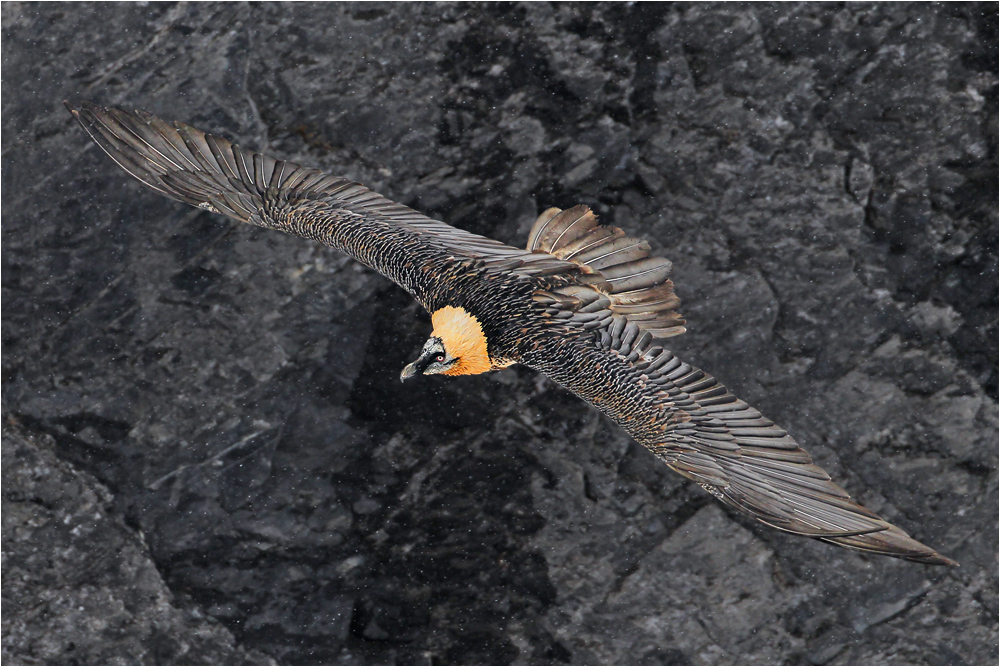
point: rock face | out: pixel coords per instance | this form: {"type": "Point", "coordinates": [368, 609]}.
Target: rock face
{"type": "Point", "coordinates": [208, 456]}
{"type": "Point", "coordinates": [79, 585]}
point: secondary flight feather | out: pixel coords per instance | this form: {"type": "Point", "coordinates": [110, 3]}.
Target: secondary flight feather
{"type": "Point", "coordinates": [583, 303]}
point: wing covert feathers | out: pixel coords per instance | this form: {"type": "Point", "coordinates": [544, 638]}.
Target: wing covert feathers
{"type": "Point", "coordinates": [743, 458]}
{"type": "Point", "coordinates": [635, 284]}
{"type": "Point", "coordinates": [183, 163]}
{"type": "Point", "coordinates": [600, 283]}
{"type": "Point", "coordinates": [707, 434]}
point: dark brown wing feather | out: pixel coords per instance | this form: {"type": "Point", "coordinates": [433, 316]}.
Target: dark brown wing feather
{"type": "Point", "coordinates": [202, 170]}
{"type": "Point", "coordinates": [699, 429]}
{"type": "Point", "coordinates": [605, 286]}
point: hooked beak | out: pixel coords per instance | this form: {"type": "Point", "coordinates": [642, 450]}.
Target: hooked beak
{"type": "Point", "coordinates": [410, 371]}
{"type": "Point", "coordinates": [432, 349]}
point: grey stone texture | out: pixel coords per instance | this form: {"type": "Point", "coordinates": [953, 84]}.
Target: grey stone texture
{"type": "Point", "coordinates": [207, 454]}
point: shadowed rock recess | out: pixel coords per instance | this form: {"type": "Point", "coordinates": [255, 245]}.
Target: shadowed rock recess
{"type": "Point", "coordinates": [208, 456]}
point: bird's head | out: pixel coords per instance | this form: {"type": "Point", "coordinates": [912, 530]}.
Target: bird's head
{"type": "Point", "coordinates": [456, 347]}
{"type": "Point", "coordinates": [433, 359]}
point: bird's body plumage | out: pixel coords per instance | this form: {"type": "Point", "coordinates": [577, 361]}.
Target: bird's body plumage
{"type": "Point", "coordinates": [583, 304]}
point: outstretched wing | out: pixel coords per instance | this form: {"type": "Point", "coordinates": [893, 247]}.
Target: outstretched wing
{"type": "Point", "coordinates": [203, 170]}
{"type": "Point", "coordinates": [699, 429]}
{"type": "Point", "coordinates": [600, 295]}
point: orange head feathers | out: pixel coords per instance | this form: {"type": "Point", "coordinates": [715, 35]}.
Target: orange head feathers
{"type": "Point", "coordinates": [457, 346]}
{"type": "Point", "coordinates": [463, 339]}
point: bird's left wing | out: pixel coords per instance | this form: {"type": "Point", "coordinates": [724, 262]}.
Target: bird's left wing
{"type": "Point", "coordinates": [606, 348]}
{"type": "Point", "coordinates": [186, 164]}
{"type": "Point", "coordinates": [702, 431]}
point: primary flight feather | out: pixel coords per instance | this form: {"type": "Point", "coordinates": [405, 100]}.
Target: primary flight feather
{"type": "Point", "coordinates": [583, 303]}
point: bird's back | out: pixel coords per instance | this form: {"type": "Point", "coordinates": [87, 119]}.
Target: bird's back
{"type": "Point", "coordinates": [583, 303]}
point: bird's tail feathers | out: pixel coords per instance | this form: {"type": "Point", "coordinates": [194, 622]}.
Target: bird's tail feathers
{"type": "Point", "coordinates": [638, 285]}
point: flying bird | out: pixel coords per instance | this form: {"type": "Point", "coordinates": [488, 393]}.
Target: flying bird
{"type": "Point", "coordinates": [583, 303]}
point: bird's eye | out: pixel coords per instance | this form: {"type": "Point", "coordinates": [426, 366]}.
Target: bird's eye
{"type": "Point", "coordinates": [439, 357]}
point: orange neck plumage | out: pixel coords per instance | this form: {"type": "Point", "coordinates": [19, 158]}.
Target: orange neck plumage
{"type": "Point", "coordinates": [463, 337]}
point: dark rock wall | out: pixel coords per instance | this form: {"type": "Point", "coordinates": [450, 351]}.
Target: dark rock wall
{"type": "Point", "coordinates": [208, 456]}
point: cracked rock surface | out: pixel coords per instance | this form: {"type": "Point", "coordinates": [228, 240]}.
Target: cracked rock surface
{"type": "Point", "coordinates": [79, 585]}
{"type": "Point", "coordinates": [207, 454]}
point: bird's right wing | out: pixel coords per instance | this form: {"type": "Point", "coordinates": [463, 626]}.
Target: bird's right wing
{"type": "Point", "coordinates": [186, 164]}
